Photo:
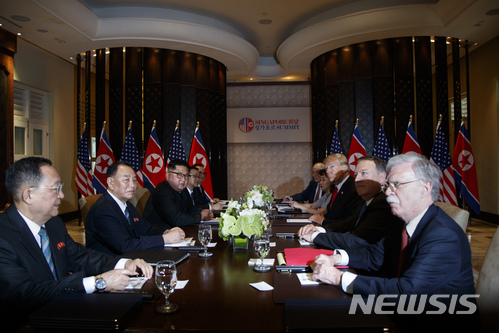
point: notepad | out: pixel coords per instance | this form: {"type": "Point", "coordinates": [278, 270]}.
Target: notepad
{"type": "Point", "coordinates": [303, 256]}
{"type": "Point", "coordinates": [298, 221]}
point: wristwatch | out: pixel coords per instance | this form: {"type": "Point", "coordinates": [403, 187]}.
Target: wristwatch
{"type": "Point", "coordinates": [100, 284]}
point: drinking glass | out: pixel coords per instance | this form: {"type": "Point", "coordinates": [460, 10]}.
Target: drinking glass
{"type": "Point", "coordinates": [166, 280]}
{"type": "Point", "coordinates": [262, 247]}
{"type": "Point", "coordinates": [204, 236]}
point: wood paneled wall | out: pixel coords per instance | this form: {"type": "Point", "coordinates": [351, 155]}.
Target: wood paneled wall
{"type": "Point", "coordinates": [394, 78]}
{"type": "Point", "coordinates": [151, 84]}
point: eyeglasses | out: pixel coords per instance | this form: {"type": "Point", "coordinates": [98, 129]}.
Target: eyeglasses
{"type": "Point", "coordinates": [57, 189]}
{"type": "Point", "coordinates": [195, 176]}
{"type": "Point", "coordinates": [395, 185]}
{"type": "Point", "coordinates": [202, 173]}
{"type": "Point", "coordinates": [180, 175]}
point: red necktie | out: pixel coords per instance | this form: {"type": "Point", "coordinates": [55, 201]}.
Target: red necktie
{"type": "Point", "coordinates": [403, 247]}
{"type": "Point", "coordinates": [317, 192]}
{"type": "Point", "coordinates": [333, 197]}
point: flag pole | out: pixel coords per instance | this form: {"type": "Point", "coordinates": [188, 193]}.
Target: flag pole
{"type": "Point", "coordinates": [336, 125]}
{"type": "Point", "coordinates": [177, 125]}
{"type": "Point", "coordinates": [130, 125]}
{"type": "Point", "coordinates": [197, 124]}
{"type": "Point", "coordinates": [357, 122]}
{"type": "Point", "coordinates": [383, 122]}
{"type": "Point", "coordinates": [153, 125]}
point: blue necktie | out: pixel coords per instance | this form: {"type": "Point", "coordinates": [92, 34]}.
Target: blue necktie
{"type": "Point", "coordinates": [360, 214]}
{"type": "Point", "coordinates": [127, 215]}
{"type": "Point", "coordinates": [45, 245]}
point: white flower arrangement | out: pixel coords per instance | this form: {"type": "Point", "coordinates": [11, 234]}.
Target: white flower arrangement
{"type": "Point", "coordinates": [258, 196]}
{"type": "Point", "coordinates": [239, 220]}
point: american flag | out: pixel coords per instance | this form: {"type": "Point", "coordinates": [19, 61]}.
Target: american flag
{"type": "Point", "coordinates": [83, 179]}
{"type": "Point", "coordinates": [335, 143]}
{"type": "Point", "coordinates": [381, 148]}
{"type": "Point", "coordinates": [441, 156]}
{"type": "Point", "coordinates": [130, 154]}
{"type": "Point", "coordinates": [177, 151]}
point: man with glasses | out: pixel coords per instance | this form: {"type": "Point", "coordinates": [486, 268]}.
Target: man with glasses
{"type": "Point", "coordinates": [198, 200]}
{"type": "Point", "coordinates": [313, 192]}
{"type": "Point", "coordinates": [114, 226]}
{"type": "Point", "coordinates": [370, 223]}
{"type": "Point", "coordinates": [168, 204]}
{"type": "Point", "coordinates": [345, 200]}
{"type": "Point", "coordinates": [200, 196]}
{"type": "Point", "coordinates": [38, 259]}
{"type": "Point", "coordinates": [432, 255]}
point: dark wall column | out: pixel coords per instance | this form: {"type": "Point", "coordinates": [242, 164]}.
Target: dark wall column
{"type": "Point", "coordinates": [8, 47]}
{"type": "Point", "coordinates": [424, 97]}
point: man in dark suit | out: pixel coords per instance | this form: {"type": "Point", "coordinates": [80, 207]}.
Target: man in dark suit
{"type": "Point", "coordinates": [198, 197]}
{"type": "Point", "coordinates": [370, 223]}
{"type": "Point", "coordinates": [114, 226]}
{"type": "Point", "coordinates": [313, 191]}
{"type": "Point", "coordinates": [36, 252]}
{"type": "Point", "coordinates": [168, 204]}
{"type": "Point", "coordinates": [345, 199]}
{"type": "Point", "coordinates": [437, 257]}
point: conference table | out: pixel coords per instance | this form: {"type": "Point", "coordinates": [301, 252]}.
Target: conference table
{"type": "Point", "coordinates": [218, 296]}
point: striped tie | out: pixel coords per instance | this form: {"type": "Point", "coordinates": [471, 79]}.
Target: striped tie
{"type": "Point", "coordinates": [45, 245]}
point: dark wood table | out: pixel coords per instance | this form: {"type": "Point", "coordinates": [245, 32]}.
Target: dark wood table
{"type": "Point", "coordinates": [218, 296]}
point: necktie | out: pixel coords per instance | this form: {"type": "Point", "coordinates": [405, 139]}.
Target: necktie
{"type": "Point", "coordinates": [335, 192]}
{"type": "Point", "coordinates": [360, 214]}
{"type": "Point", "coordinates": [45, 245]}
{"type": "Point", "coordinates": [192, 198]}
{"type": "Point", "coordinates": [403, 248]}
{"type": "Point", "coordinates": [127, 215]}
{"type": "Point", "coordinates": [317, 192]}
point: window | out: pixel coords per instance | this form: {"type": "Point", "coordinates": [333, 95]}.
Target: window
{"type": "Point", "coordinates": [30, 122]}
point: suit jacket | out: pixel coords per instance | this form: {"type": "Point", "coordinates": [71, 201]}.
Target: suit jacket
{"type": "Point", "coordinates": [345, 204]}
{"type": "Point", "coordinates": [26, 281]}
{"type": "Point", "coordinates": [307, 194]}
{"type": "Point", "coordinates": [437, 261]}
{"type": "Point", "coordinates": [373, 225]}
{"type": "Point", "coordinates": [107, 229]}
{"type": "Point", "coordinates": [169, 208]}
{"type": "Point", "coordinates": [200, 200]}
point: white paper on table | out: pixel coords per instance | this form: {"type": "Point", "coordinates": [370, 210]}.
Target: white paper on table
{"type": "Point", "coordinates": [298, 221]}
{"type": "Point", "coordinates": [257, 261]}
{"type": "Point", "coordinates": [186, 242]}
{"type": "Point", "coordinates": [272, 244]}
{"type": "Point", "coordinates": [181, 284]}
{"type": "Point", "coordinates": [212, 244]}
{"type": "Point", "coordinates": [262, 286]}
{"type": "Point", "coordinates": [136, 283]}
{"type": "Point", "coordinates": [306, 279]}
{"type": "Point", "coordinates": [305, 242]}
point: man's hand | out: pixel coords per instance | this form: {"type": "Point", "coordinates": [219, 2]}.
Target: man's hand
{"type": "Point", "coordinates": [307, 229]}
{"type": "Point", "coordinates": [117, 279]}
{"type": "Point", "coordinates": [173, 235]}
{"type": "Point", "coordinates": [133, 265]}
{"type": "Point", "coordinates": [325, 271]}
{"type": "Point", "coordinates": [206, 215]}
{"type": "Point", "coordinates": [217, 206]}
{"type": "Point", "coordinates": [317, 218]}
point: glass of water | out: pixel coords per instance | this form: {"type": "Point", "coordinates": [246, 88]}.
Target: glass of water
{"type": "Point", "coordinates": [261, 244]}
{"type": "Point", "coordinates": [166, 280]}
{"type": "Point", "coordinates": [204, 236]}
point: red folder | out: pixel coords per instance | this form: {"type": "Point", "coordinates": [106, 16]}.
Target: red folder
{"type": "Point", "coordinates": [300, 256]}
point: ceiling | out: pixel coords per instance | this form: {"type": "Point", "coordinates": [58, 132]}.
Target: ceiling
{"type": "Point", "coordinates": [255, 39]}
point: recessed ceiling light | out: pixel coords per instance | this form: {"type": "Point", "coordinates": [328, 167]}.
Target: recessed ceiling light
{"type": "Point", "coordinates": [20, 18]}
{"type": "Point", "coordinates": [42, 30]}
{"type": "Point", "coordinates": [19, 34]}
{"type": "Point", "coordinates": [265, 21]}
{"type": "Point", "coordinates": [492, 12]}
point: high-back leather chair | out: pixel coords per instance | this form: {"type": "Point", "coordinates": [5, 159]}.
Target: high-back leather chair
{"type": "Point", "coordinates": [488, 288]}
{"type": "Point", "coordinates": [140, 198]}
{"type": "Point", "coordinates": [459, 215]}
{"type": "Point", "coordinates": [85, 204]}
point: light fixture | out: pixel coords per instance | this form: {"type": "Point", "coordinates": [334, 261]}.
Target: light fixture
{"type": "Point", "coordinates": [265, 21]}
{"type": "Point", "coordinates": [20, 18]}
